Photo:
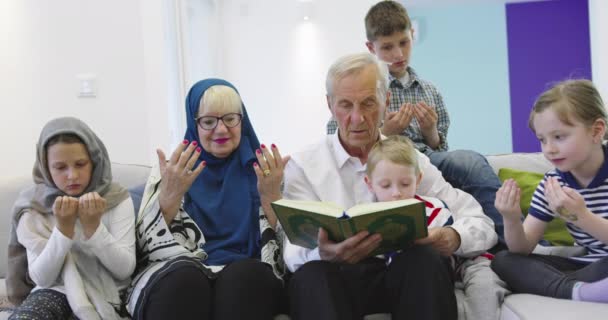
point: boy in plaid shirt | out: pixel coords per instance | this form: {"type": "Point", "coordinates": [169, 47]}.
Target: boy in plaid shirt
{"type": "Point", "coordinates": [417, 110]}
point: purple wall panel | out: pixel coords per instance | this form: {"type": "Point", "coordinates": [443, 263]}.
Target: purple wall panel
{"type": "Point", "coordinates": [548, 41]}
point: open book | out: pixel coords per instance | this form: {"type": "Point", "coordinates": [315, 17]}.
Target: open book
{"type": "Point", "coordinates": [399, 222]}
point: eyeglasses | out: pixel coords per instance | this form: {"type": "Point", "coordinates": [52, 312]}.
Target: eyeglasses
{"type": "Point", "coordinates": [230, 120]}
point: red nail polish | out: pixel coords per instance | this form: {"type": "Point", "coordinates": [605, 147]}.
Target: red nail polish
{"type": "Point", "coordinates": [255, 164]}
{"type": "Point", "coordinates": [204, 163]}
{"type": "Point", "coordinates": [274, 146]}
{"type": "Point", "coordinates": [185, 141]}
{"type": "Point", "coordinates": [194, 143]}
{"type": "Point", "coordinates": [263, 146]}
{"type": "Point", "coordinates": [198, 149]}
{"type": "Point", "coordinates": [258, 151]}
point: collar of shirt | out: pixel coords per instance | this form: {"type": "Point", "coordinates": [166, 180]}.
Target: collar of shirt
{"type": "Point", "coordinates": [405, 78]}
{"type": "Point", "coordinates": [412, 77]}
{"type": "Point", "coordinates": [340, 154]}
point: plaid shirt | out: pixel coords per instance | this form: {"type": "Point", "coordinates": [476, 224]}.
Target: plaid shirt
{"type": "Point", "coordinates": [414, 91]}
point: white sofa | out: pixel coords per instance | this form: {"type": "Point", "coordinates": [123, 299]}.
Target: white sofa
{"type": "Point", "coordinates": [515, 307]}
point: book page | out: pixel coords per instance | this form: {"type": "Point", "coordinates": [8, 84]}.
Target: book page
{"type": "Point", "coordinates": [399, 226]}
{"type": "Point", "coordinates": [366, 208]}
{"type": "Point", "coordinates": [301, 222]}
{"type": "Point", "coordinates": [325, 208]}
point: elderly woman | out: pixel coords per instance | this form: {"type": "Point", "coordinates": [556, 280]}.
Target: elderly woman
{"type": "Point", "coordinates": [206, 231]}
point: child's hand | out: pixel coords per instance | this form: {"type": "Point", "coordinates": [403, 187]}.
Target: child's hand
{"type": "Point", "coordinates": [65, 209]}
{"type": "Point", "coordinates": [91, 207]}
{"type": "Point", "coordinates": [396, 122]}
{"type": "Point", "coordinates": [507, 200]}
{"type": "Point", "coordinates": [426, 117]}
{"type": "Point", "coordinates": [565, 201]}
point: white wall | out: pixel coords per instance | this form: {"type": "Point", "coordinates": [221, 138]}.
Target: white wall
{"type": "Point", "coordinates": [278, 61]}
{"type": "Point", "coordinates": [45, 44]}
{"type": "Point", "coordinates": [598, 21]}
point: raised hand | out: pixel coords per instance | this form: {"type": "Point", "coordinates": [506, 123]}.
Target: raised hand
{"type": "Point", "coordinates": [446, 240]}
{"type": "Point", "coordinates": [565, 201]}
{"type": "Point", "coordinates": [395, 122]}
{"type": "Point", "coordinates": [507, 200]}
{"type": "Point", "coordinates": [65, 209]}
{"type": "Point", "coordinates": [177, 175]}
{"type": "Point", "coordinates": [351, 250]}
{"type": "Point", "coordinates": [427, 120]}
{"type": "Point", "coordinates": [91, 206]}
{"type": "Point", "coordinates": [269, 171]}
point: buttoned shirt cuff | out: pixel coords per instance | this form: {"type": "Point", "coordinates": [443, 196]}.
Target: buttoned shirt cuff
{"type": "Point", "coordinates": [470, 244]}
{"type": "Point", "coordinates": [314, 255]}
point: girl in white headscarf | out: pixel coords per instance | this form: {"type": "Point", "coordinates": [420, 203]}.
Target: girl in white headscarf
{"type": "Point", "coordinates": [72, 236]}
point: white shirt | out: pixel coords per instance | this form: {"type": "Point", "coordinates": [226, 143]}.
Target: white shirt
{"type": "Point", "coordinates": [112, 245]}
{"type": "Point", "coordinates": [326, 172]}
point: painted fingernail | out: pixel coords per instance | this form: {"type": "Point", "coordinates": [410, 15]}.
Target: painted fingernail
{"type": "Point", "coordinates": [198, 149]}
{"type": "Point", "coordinates": [258, 151]}
{"type": "Point", "coordinates": [255, 164]}
{"type": "Point", "coordinates": [204, 163]}
{"type": "Point", "coordinates": [263, 146]}
{"type": "Point", "coordinates": [185, 141]}
{"type": "Point", "coordinates": [274, 146]}
{"type": "Point", "coordinates": [194, 143]}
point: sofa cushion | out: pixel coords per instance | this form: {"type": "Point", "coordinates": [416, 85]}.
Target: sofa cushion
{"type": "Point", "coordinates": [9, 190]}
{"type": "Point", "coordinates": [130, 175]}
{"type": "Point", "coordinates": [556, 232]}
{"type": "Point", "coordinates": [533, 162]}
{"type": "Point", "coordinates": [137, 193]}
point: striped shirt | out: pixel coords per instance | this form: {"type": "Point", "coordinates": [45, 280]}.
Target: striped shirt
{"type": "Point", "coordinates": [438, 215]}
{"type": "Point", "coordinates": [596, 198]}
{"type": "Point", "coordinates": [413, 91]}
{"type": "Point", "coordinates": [437, 212]}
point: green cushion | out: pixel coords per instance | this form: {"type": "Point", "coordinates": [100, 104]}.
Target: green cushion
{"type": "Point", "coordinates": [556, 232]}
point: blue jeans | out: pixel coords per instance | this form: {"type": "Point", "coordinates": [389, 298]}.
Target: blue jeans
{"type": "Point", "coordinates": [469, 171]}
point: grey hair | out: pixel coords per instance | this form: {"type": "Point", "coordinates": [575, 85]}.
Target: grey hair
{"type": "Point", "coordinates": [353, 64]}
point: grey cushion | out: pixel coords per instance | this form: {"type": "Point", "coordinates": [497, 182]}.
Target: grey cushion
{"type": "Point", "coordinates": [137, 194]}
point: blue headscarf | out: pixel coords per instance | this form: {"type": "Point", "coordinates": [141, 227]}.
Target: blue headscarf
{"type": "Point", "coordinates": [224, 200]}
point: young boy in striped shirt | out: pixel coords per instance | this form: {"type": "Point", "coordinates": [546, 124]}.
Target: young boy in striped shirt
{"type": "Point", "coordinates": [392, 173]}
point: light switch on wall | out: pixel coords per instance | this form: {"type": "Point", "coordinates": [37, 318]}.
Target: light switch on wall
{"type": "Point", "coordinates": [87, 85]}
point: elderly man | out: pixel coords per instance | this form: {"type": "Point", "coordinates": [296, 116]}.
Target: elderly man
{"type": "Point", "coordinates": [341, 280]}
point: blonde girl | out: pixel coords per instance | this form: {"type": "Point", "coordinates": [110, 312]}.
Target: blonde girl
{"type": "Point", "coordinates": [569, 120]}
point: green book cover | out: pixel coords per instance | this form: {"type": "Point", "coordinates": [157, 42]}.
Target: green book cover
{"type": "Point", "coordinates": [399, 222]}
